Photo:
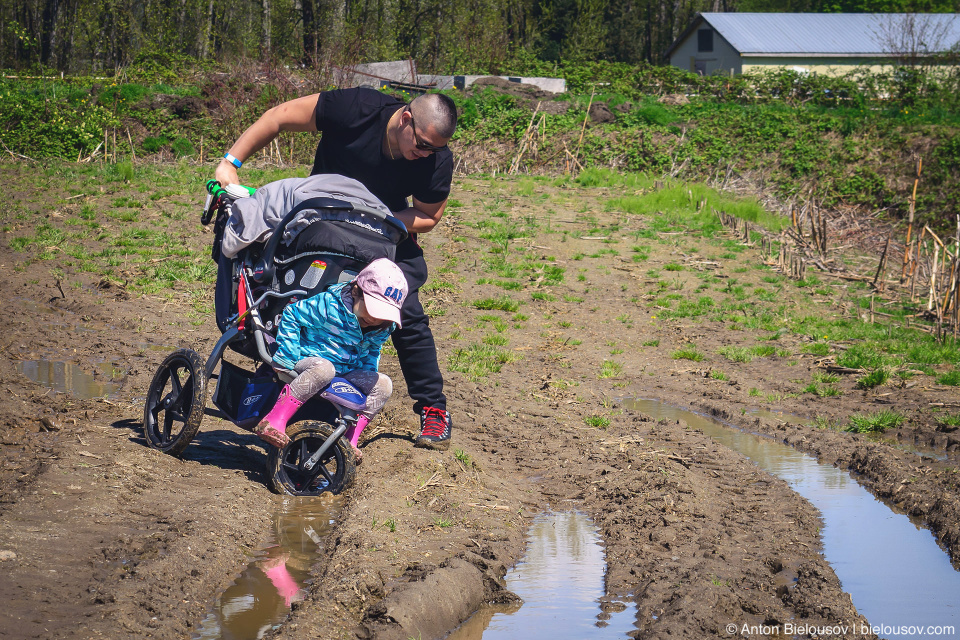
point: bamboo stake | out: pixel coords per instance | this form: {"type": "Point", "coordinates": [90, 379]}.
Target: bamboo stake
{"type": "Point", "coordinates": [584, 127]}
{"type": "Point", "coordinates": [908, 253]}
{"type": "Point", "coordinates": [823, 235]}
{"type": "Point", "coordinates": [883, 259]}
{"type": "Point", "coordinates": [515, 165]}
{"type": "Point", "coordinates": [134, 151]}
{"type": "Point", "coordinates": [933, 277]}
{"type": "Point", "coordinates": [913, 268]}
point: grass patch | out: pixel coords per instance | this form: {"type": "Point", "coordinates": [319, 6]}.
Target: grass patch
{"type": "Point", "coordinates": [600, 422]}
{"type": "Point", "coordinates": [502, 303]}
{"type": "Point", "coordinates": [874, 379]}
{"type": "Point", "coordinates": [951, 378]}
{"type": "Point", "coordinates": [874, 422]}
{"type": "Point", "coordinates": [688, 353]}
{"type": "Point", "coordinates": [480, 360]}
{"type": "Point", "coordinates": [610, 369]}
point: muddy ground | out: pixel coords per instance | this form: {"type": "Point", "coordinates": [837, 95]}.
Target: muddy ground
{"type": "Point", "coordinates": [101, 536]}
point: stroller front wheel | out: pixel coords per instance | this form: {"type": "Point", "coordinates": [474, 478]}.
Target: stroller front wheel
{"type": "Point", "coordinates": [175, 402]}
{"type": "Point", "coordinates": [288, 467]}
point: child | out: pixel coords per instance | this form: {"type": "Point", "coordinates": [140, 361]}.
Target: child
{"type": "Point", "coordinates": [337, 332]}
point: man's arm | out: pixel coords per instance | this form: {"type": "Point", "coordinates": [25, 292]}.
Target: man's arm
{"type": "Point", "coordinates": [422, 216]}
{"type": "Point", "coordinates": [294, 115]}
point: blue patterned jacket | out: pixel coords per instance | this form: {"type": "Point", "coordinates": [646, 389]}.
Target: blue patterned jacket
{"type": "Point", "coordinates": [325, 326]}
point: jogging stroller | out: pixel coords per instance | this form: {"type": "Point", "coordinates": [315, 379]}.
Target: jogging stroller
{"type": "Point", "coordinates": [319, 231]}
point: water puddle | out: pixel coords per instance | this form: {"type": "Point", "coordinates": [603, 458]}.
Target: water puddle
{"type": "Point", "coordinates": [278, 574]}
{"type": "Point", "coordinates": [561, 580]}
{"type": "Point", "coordinates": [892, 568]}
{"type": "Point", "coordinates": [67, 377]}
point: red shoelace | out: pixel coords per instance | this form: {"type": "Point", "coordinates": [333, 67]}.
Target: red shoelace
{"type": "Point", "coordinates": [434, 423]}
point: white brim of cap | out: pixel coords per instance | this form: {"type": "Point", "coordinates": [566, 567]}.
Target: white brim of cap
{"type": "Point", "coordinates": [380, 309]}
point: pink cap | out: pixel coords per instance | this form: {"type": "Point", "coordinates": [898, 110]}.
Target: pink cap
{"type": "Point", "coordinates": [384, 289]}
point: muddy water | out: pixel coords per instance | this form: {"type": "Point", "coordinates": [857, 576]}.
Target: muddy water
{"type": "Point", "coordinates": [277, 575]}
{"type": "Point", "coordinates": [561, 580]}
{"type": "Point", "coordinates": [891, 567]}
{"type": "Point", "coordinates": [66, 377]}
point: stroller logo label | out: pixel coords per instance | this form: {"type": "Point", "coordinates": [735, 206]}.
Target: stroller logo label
{"type": "Point", "coordinates": [313, 274]}
{"type": "Point", "coordinates": [288, 277]}
{"type": "Point", "coordinates": [249, 400]}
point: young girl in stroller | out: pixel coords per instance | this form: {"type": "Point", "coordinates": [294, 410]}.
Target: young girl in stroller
{"type": "Point", "coordinates": [338, 332]}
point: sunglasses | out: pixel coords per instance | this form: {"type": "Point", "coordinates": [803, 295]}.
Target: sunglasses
{"type": "Point", "coordinates": [423, 146]}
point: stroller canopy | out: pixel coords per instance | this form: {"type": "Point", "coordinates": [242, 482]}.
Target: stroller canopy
{"type": "Point", "coordinates": [253, 219]}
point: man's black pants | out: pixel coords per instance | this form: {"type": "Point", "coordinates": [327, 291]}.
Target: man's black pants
{"type": "Point", "coordinates": [416, 349]}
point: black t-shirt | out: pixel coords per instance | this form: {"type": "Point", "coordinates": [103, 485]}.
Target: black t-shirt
{"type": "Point", "coordinates": [353, 122]}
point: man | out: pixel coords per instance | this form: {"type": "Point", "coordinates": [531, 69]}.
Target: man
{"type": "Point", "coordinates": [396, 150]}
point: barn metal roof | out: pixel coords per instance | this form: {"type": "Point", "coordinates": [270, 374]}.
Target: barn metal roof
{"type": "Point", "coordinates": [821, 34]}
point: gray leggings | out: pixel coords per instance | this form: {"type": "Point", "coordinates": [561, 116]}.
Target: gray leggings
{"type": "Point", "coordinates": [314, 374]}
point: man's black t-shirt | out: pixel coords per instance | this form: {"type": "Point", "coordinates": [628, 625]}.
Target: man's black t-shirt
{"type": "Point", "coordinates": [353, 122]}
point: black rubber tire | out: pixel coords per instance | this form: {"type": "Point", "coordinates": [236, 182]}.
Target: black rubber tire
{"type": "Point", "coordinates": [175, 402]}
{"type": "Point", "coordinates": [334, 473]}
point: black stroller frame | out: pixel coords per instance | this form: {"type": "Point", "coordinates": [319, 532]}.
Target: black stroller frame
{"type": "Point", "coordinates": [250, 297]}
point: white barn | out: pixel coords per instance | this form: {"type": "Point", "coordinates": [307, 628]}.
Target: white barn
{"type": "Point", "coordinates": [827, 43]}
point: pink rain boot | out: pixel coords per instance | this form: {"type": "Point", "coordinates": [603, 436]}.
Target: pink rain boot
{"type": "Point", "coordinates": [273, 427]}
{"type": "Point", "coordinates": [352, 434]}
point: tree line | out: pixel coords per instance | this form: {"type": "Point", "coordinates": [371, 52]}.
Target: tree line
{"type": "Point", "coordinates": [443, 36]}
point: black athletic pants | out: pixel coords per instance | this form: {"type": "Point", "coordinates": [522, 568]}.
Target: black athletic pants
{"type": "Point", "coordinates": [414, 342]}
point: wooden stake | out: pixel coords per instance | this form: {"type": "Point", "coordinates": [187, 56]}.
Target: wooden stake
{"type": "Point", "coordinates": [908, 253]}
{"type": "Point", "coordinates": [133, 151]}
{"type": "Point", "coordinates": [933, 277]}
{"type": "Point", "coordinates": [883, 259]}
{"type": "Point", "coordinates": [584, 127]}
{"type": "Point", "coordinates": [515, 165]}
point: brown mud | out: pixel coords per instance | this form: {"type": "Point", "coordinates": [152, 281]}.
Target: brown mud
{"type": "Point", "coordinates": [101, 536]}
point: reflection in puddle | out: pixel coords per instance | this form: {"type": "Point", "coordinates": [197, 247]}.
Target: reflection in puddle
{"type": "Point", "coordinates": [892, 568]}
{"type": "Point", "coordinates": [66, 377]}
{"type": "Point", "coordinates": [561, 582]}
{"type": "Point", "coordinates": [261, 597]}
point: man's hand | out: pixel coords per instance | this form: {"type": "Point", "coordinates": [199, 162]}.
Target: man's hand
{"type": "Point", "coordinates": [422, 216]}
{"type": "Point", "coordinates": [226, 173]}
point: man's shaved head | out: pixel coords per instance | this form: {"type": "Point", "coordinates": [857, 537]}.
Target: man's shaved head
{"type": "Point", "coordinates": [435, 110]}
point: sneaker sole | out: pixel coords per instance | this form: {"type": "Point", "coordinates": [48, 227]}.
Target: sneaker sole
{"type": "Point", "coordinates": [436, 445]}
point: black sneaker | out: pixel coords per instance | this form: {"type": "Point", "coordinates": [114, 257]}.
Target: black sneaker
{"type": "Point", "coordinates": [435, 429]}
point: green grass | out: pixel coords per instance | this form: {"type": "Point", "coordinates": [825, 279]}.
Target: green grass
{"type": "Point", "coordinates": [948, 422]}
{"type": "Point", "coordinates": [600, 422]}
{"type": "Point", "coordinates": [688, 353]}
{"type": "Point", "coordinates": [874, 379]}
{"type": "Point", "coordinates": [610, 369]}
{"type": "Point", "coordinates": [951, 378]}
{"type": "Point", "coordinates": [480, 360]}
{"type": "Point", "coordinates": [817, 349]}
{"type": "Point", "coordinates": [874, 422]}
{"type": "Point", "coordinates": [824, 385]}
{"type": "Point", "coordinates": [672, 208]}
{"type": "Point", "coordinates": [502, 303]}
{"type": "Point", "coordinates": [747, 354]}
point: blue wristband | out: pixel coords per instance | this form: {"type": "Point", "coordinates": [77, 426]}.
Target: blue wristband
{"type": "Point", "coordinates": [229, 158]}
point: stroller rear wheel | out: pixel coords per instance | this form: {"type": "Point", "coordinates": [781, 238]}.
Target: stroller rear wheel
{"type": "Point", "coordinates": [287, 467]}
{"type": "Point", "coordinates": [175, 402]}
